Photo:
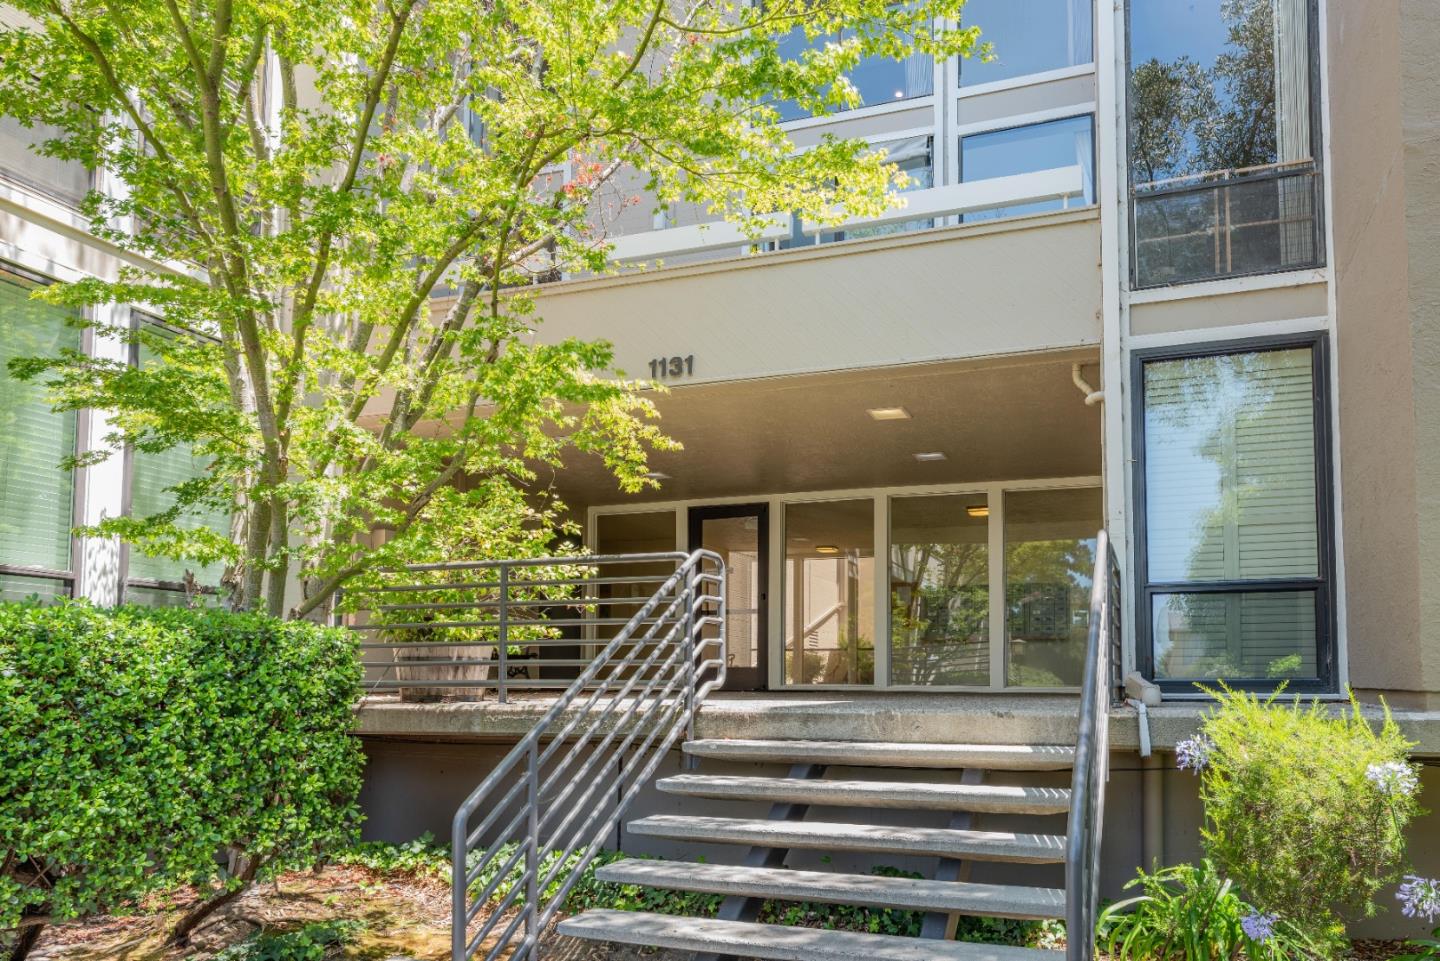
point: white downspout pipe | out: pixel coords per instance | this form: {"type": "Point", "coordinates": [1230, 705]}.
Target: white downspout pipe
{"type": "Point", "coordinates": [1092, 396]}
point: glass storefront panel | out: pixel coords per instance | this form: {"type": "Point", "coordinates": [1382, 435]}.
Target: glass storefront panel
{"type": "Point", "coordinates": [1049, 559]}
{"type": "Point", "coordinates": [829, 592]}
{"type": "Point", "coordinates": [939, 590]}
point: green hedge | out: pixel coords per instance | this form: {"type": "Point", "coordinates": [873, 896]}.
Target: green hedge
{"type": "Point", "coordinates": [142, 748]}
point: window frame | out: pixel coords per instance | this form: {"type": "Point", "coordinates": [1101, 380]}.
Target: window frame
{"type": "Point", "coordinates": [69, 579]}
{"type": "Point", "coordinates": [1205, 182]}
{"type": "Point", "coordinates": [1322, 586]}
{"type": "Point", "coordinates": [139, 319]}
{"type": "Point", "coordinates": [1082, 112]}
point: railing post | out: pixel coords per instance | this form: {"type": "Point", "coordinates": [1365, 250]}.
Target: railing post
{"type": "Point", "coordinates": [532, 849]}
{"type": "Point", "coordinates": [504, 632]}
{"type": "Point", "coordinates": [688, 640]}
{"type": "Point", "coordinates": [459, 897]}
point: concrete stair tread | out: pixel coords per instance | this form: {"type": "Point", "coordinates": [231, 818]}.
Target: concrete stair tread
{"type": "Point", "coordinates": [910, 894]}
{"type": "Point", "coordinates": [1012, 757]}
{"type": "Point", "coordinates": [779, 943]}
{"type": "Point", "coordinates": [829, 835]}
{"type": "Point", "coordinates": [984, 798]}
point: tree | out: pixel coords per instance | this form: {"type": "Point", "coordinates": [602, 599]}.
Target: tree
{"type": "Point", "coordinates": [317, 173]}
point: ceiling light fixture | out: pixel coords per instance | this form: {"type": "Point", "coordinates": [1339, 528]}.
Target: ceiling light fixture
{"type": "Point", "coordinates": [978, 511]}
{"type": "Point", "coordinates": [826, 549]}
{"type": "Point", "coordinates": [888, 413]}
{"type": "Point", "coordinates": [927, 456]}
{"type": "Point", "coordinates": [657, 475]}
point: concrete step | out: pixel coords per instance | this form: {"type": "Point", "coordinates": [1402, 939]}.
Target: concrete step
{"type": "Point", "coordinates": [832, 836]}
{"type": "Point", "coordinates": [1009, 757]}
{"type": "Point", "coordinates": [909, 894]}
{"type": "Point", "coordinates": [775, 942]}
{"type": "Point", "coordinates": [984, 798]}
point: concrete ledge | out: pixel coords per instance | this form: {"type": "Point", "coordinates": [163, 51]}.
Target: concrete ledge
{"type": "Point", "coordinates": [867, 716]}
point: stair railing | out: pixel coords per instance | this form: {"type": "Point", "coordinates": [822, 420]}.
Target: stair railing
{"type": "Point", "coordinates": [1100, 688]}
{"type": "Point", "coordinates": [558, 796]}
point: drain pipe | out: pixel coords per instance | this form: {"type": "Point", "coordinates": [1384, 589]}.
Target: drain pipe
{"type": "Point", "coordinates": [1092, 396]}
{"type": "Point", "coordinates": [1142, 695]}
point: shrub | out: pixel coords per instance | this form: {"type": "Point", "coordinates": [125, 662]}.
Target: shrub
{"type": "Point", "coordinates": [1425, 949]}
{"type": "Point", "coordinates": [1192, 913]}
{"type": "Point", "coordinates": [1304, 810]}
{"type": "Point", "coordinates": [136, 744]}
{"type": "Point", "coordinates": [312, 942]}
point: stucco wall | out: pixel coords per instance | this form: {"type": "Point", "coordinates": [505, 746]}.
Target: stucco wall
{"type": "Point", "coordinates": [1384, 110]}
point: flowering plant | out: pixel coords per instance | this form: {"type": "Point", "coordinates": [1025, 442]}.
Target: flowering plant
{"type": "Point", "coordinates": [1426, 949]}
{"type": "Point", "coordinates": [1305, 809]}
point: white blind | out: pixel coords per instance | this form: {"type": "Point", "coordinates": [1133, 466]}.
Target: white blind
{"type": "Point", "coordinates": [36, 495]}
{"type": "Point", "coordinates": [1230, 467]}
{"type": "Point", "coordinates": [152, 479]}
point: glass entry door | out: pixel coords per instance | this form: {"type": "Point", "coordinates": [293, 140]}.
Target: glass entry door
{"type": "Point", "coordinates": [739, 533]}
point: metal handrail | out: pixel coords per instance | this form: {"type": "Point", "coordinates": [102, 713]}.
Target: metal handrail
{"type": "Point", "coordinates": [1100, 688]}
{"type": "Point", "coordinates": [547, 808]}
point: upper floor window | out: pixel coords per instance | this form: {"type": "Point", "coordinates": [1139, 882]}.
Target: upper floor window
{"type": "Point", "coordinates": [1223, 139]}
{"type": "Point", "coordinates": [1029, 37]}
{"type": "Point", "coordinates": [65, 180]}
{"type": "Point", "coordinates": [1020, 150]}
{"type": "Point", "coordinates": [36, 493]}
{"type": "Point", "coordinates": [1234, 547]}
{"type": "Point", "coordinates": [878, 79]}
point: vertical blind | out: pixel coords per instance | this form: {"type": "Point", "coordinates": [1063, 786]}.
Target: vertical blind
{"type": "Point", "coordinates": [36, 494]}
{"type": "Point", "coordinates": [1230, 497]}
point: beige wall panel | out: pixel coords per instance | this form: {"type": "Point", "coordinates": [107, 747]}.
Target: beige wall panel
{"type": "Point", "coordinates": [1374, 353]}
{"type": "Point", "coordinates": [1027, 99]}
{"type": "Point", "coordinates": [921, 114]}
{"type": "Point", "coordinates": [1420, 119]}
{"type": "Point", "coordinates": [1243, 307]}
{"type": "Point", "coordinates": [949, 293]}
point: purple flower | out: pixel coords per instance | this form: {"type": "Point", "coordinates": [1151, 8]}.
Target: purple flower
{"type": "Point", "coordinates": [1419, 897]}
{"type": "Point", "coordinates": [1393, 778]}
{"type": "Point", "coordinates": [1193, 753]}
{"type": "Point", "coordinates": [1258, 927]}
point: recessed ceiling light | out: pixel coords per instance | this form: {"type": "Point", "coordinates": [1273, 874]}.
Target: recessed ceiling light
{"type": "Point", "coordinates": [826, 549]}
{"type": "Point", "coordinates": [978, 511]}
{"type": "Point", "coordinates": [888, 413]}
{"type": "Point", "coordinates": [930, 455]}
{"type": "Point", "coordinates": [657, 475]}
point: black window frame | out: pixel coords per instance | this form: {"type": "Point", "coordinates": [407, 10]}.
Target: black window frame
{"type": "Point", "coordinates": [1322, 586]}
{"type": "Point", "coordinates": [1316, 168]}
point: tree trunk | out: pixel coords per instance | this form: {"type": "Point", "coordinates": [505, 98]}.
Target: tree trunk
{"type": "Point", "coordinates": [25, 939]}
{"type": "Point", "coordinates": [180, 934]}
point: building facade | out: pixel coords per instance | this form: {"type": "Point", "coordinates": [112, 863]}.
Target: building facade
{"type": "Point", "coordinates": [1171, 270]}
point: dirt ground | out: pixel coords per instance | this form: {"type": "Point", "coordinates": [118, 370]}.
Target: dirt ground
{"type": "Point", "coordinates": [406, 918]}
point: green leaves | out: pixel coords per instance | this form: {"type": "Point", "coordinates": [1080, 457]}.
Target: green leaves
{"type": "Point", "coordinates": [137, 743]}
{"type": "Point", "coordinates": [353, 201]}
{"type": "Point", "coordinates": [1297, 810]}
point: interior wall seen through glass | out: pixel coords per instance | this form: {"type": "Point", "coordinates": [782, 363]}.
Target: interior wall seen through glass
{"type": "Point", "coordinates": [830, 592]}
{"type": "Point", "coordinates": [1020, 150]}
{"type": "Point", "coordinates": [1027, 37]}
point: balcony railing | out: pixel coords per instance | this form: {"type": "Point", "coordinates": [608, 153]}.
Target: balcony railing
{"type": "Point", "coordinates": [1063, 184]}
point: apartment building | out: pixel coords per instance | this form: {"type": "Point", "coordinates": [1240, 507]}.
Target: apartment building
{"type": "Point", "coordinates": [1167, 269]}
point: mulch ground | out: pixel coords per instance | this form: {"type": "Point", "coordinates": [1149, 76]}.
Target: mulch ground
{"type": "Point", "coordinates": [406, 918]}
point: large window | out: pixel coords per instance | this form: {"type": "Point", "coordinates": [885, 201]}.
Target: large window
{"type": "Point", "coordinates": [1049, 564]}
{"type": "Point", "coordinates": [36, 493]}
{"type": "Point", "coordinates": [1235, 540]}
{"type": "Point", "coordinates": [64, 180]}
{"type": "Point", "coordinates": [161, 581]}
{"type": "Point", "coordinates": [878, 80]}
{"type": "Point", "coordinates": [939, 590]}
{"type": "Point", "coordinates": [830, 592]}
{"type": "Point", "coordinates": [1020, 150]}
{"type": "Point", "coordinates": [1028, 37]}
{"type": "Point", "coordinates": [1224, 169]}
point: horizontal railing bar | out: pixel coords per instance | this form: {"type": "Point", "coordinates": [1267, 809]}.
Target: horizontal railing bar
{"type": "Point", "coordinates": [579, 560]}
{"type": "Point", "coordinates": [511, 602]}
{"type": "Point", "coordinates": [617, 579]}
{"type": "Point", "coordinates": [440, 625]}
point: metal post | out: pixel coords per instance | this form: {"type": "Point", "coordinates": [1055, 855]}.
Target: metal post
{"type": "Point", "coordinates": [504, 629]}
{"type": "Point", "coordinates": [532, 848]}
{"type": "Point", "coordinates": [459, 897]}
{"type": "Point", "coordinates": [688, 640]}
